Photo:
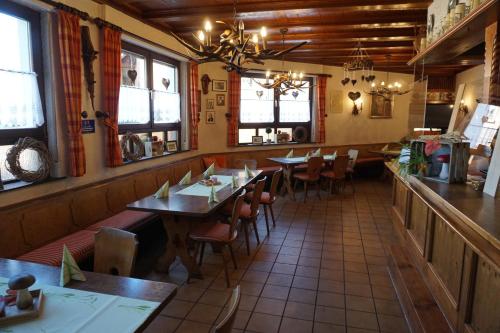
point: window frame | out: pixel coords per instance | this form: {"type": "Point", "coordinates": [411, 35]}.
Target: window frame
{"type": "Point", "coordinates": [150, 127]}
{"type": "Point", "coordinates": [276, 105]}
{"type": "Point", "coordinates": [10, 136]}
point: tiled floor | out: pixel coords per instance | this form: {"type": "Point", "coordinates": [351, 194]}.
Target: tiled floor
{"type": "Point", "coordinates": [322, 269]}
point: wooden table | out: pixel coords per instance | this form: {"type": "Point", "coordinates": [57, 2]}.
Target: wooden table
{"type": "Point", "coordinates": [160, 292]}
{"type": "Point", "coordinates": [179, 211]}
{"type": "Point", "coordinates": [288, 163]}
{"type": "Point", "coordinates": [387, 153]}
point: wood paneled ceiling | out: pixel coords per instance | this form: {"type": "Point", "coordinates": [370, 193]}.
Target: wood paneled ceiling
{"type": "Point", "coordinates": [332, 28]}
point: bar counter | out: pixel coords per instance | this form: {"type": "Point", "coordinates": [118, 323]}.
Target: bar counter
{"type": "Point", "coordinates": [451, 234]}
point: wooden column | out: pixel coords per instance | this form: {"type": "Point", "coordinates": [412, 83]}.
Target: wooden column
{"type": "Point", "coordinates": [494, 91]}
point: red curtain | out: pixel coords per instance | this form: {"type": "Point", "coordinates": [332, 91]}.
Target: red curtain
{"type": "Point", "coordinates": [320, 109]}
{"type": "Point", "coordinates": [194, 104]}
{"type": "Point", "coordinates": [69, 45]}
{"type": "Point", "coordinates": [111, 70]}
{"type": "Point", "coordinates": [234, 92]}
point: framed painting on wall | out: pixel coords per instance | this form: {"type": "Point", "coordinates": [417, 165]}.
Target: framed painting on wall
{"type": "Point", "coordinates": [210, 117]}
{"type": "Point", "coordinates": [210, 104]}
{"type": "Point", "coordinates": [381, 107]}
{"type": "Point", "coordinates": [220, 99]}
{"type": "Point", "coordinates": [219, 85]}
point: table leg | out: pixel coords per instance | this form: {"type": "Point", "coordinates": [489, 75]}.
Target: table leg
{"type": "Point", "coordinates": [287, 181]}
{"type": "Point", "coordinates": [177, 232]}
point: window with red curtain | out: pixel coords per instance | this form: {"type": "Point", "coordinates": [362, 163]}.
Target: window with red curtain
{"type": "Point", "coordinates": [320, 109]}
{"type": "Point", "coordinates": [234, 96]}
{"type": "Point", "coordinates": [194, 104]}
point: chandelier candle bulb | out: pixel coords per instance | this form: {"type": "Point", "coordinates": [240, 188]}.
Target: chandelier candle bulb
{"type": "Point", "coordinates": [263, 34]}
{"type": "Point", "coordinates": [241, 27]}
{"type": "Point", "coordinates": [201, 37]}
{"type": "Point", "coordinates": [208, 29]}
{"type": "Point", "coordinates": [255, 40]}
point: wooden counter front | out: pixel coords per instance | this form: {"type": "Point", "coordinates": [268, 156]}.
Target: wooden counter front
{"type": "Point", "coordinates": [452, 236]}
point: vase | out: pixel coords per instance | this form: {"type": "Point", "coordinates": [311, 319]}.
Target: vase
{"type": "Point", "coordinates": [445, 171]}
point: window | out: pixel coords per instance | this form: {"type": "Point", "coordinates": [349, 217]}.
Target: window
{"type": "Point", "coordinates": [149, 102]}
{"type": "Point", "coordinates": [263, 108]}
{"type": "Point", "coordinates": [21, 82]}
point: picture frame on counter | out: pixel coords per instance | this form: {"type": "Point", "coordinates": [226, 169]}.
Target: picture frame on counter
{"type": "Point", "coordinates": [172, 146]}
{"type": "Point", "coordinates": [257, 140]}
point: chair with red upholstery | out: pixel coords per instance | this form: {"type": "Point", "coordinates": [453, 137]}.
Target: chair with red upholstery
{"type": "Point", "coordinates": [336, 174]}
{"type": "Point", "coordinates": [219, 233]}
{"type": "Point", "coordinates": [268, 198]}
{"type": "Point", "coordinates": [311, 176]}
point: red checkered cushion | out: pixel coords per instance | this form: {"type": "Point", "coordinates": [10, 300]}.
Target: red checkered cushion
{"type": "Point", "coordinates": [123, 220]}
{"type": "Point", "coordinates": [80, 244]}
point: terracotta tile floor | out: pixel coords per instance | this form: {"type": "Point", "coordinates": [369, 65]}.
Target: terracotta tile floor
{"type": "Point", "coordinates": [321, 269]}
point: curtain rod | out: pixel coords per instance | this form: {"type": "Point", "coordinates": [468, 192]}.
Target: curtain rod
{"type": "Point", "coordinates": [103, 23]}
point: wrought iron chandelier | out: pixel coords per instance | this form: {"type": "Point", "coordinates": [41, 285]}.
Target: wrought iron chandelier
{"type": "Point", "coordinates": [359, 60]}
{"type": "Point", "coordinates": [385, 89]}
{"type": "Point", "coordinates": [284, 81]}
{"type": "Point", "coordinates": [235, 48]}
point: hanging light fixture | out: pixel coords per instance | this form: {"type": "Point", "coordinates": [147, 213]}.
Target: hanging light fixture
{"type": "Point", "coordinates": [235, 48]}
{"type": "Point", "coordinates": [358, 61]}
{"type": "Point", "coordinates": [387, 89]}
{"type": "Point", "coordinates": [284, 81]}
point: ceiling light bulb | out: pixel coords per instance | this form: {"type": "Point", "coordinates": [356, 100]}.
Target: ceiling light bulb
{"type": "Point", "coordinates": [201, 36]}
{"type": "Point", "coordinates": [373, 85]}
{"type": "Point", "coordinates": [241, 25]}
{"type": "Point", "coordinates": [390, 86]}
{"type": "Point", "coordinates": [294, 75]}
{"type": "Point", "coordinates": [382, 83]}
{"type": "Point", "coordinates": [301, 75]}
{"type": "Point", "coordinates": [268, 74]}
{"type": "Point", "coordinates": [208, 26]}
{"type": "Point", "coordinates": [263, 31]}
{"type": "Point", "coordinates": [255, 39]}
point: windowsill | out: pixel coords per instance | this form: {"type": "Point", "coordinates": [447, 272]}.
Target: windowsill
{"type": "Point", "coordinates": [19, 184]}
{"type": "Point", "coordinates": [165, 154]}
{"type": "Point", "coordinates": [274, 144]}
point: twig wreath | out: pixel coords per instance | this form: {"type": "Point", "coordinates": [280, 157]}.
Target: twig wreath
{"type": "Point", "coordinates": [137, 143]}
{"type": "Point", "coordinates": [13, 163]}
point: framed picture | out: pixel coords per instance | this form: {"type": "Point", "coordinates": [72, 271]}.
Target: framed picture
{"type": "Point", "coordinates": [220, 99]}
{"type": "Point", "coordinates": [210, 118]}
{"type": "Point", "coordinates": [219, 85]}
{"type": "Point", "coordinates": [171, 146]}
{"type": "Point", "coordinates": [257, 140]}
{"type": "Point", "coordinates": [210, 104]}
{"type": "Point", "coordinates": [381, 107]}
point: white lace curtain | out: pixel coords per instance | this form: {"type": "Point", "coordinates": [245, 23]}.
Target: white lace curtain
{"type": "Point", "coordinates": [133, 105]}
{"type": "Point", "coordinates": [166, 107]}
{"type": "Point", "coordinates": [20, 104]}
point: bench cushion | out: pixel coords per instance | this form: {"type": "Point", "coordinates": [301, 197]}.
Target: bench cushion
{"type": "Point", "coordinates": [80, 244]}
{"type": "Point", "coordinates": [124, 220]}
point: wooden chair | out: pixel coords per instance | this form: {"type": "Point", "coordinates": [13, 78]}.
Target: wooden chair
{"type": "Point", "coordinates": [114, 251]}
{"type": "Point", "coordinates": [268, 198]}
{"type": "Point", "coordinates": [337, 173]}
{"type": "Point", "coordinates": [226, 324]}
{"type": "Point", "coordinates": [221, 234]}
{"type": "Point", "coordinates": [312, 175]}
{"type": "Point", "coordinates": [353, 156]}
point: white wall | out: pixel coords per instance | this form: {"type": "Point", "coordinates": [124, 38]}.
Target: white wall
{"type": "Point", "coordinates": [473, 79]}
{"type": "Point", "coordinates": [341, 128]}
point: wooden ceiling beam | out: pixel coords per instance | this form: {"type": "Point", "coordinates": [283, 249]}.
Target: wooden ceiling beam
{"type": "Point", "coordinates": [287, 5]}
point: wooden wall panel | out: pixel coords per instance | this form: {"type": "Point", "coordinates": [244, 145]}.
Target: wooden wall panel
{"type": "Point", "coordinates": [447, 258]}
{"type": "Point", "coordinates": [485, 315]}
{"type": "Point", "coordinates": [417, 222]}
{"type": "Point", "coordinates": [400, 199]}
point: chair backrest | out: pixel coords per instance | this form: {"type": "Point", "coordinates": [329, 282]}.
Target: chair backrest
{"type": "Point", "coordinates": [114, 252]}
{"type": "Point", "coordinates": [226, 324]}
{"type": "Point", "coordinates": [340, 165]}
{"type": "Point", "coordinates": [240, 164]}
{"type": "Point", "coordinates": [257, 193]}
{"type": "Point", "coordinates": [274, 183]}
{"type": "Point", "coordinates": [353, 156]}
{"type": "Point", "coordinates": [236, 212]}
{"type": "Point", "coordinates": [314, 165]}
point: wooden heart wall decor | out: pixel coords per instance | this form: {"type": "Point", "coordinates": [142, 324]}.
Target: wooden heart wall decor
{"type": "Point", "coordinates": [132, 75]}
{"type": "Point", "coordinates": [165, 82]}
{"type": "Point", "coordinates": [353, 96]}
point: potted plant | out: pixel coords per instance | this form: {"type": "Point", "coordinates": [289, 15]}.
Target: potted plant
{"type": "Point", "coordinates": [269, 130]}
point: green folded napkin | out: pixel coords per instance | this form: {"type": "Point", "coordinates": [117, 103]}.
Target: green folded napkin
{"type": "Point", "coordinates": [163, 191]}
{"type": "Point", "coordinates": [334, 155]}
{"type": "Point", "coordinates": [69, 269]}
{"type": "Point", "coordinates": [248, 172]}
{"type": "Point", "coordinates": [306, 158]}
{"type": "Point", "coordinates": [290, 154]}
{"type": "Point", "coordinates": [210, 170]}
{"type": "Point", "coordinates": [186, 180]}
{"type": "Point", "coordinates": [317, 153]}
{"type": "Point", "coordinates": [213, 196]}
{"type": "Point", "coordinates": [234, 181]}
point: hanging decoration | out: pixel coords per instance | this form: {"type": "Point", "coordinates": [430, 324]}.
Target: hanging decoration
{"type": "Point", "coordinates": [13, 162]}
{"type": "Point", "coordinates": [358, 61]}
{"type": "Point", "coordinates": [354, 96]}
{"type": "Point", "coordinates": [89, 55]}
{"type": "Point", "coordinates": [283, 81]}
{"type": "Point", "coordinates": [235, 48]}
{"type": "Point", "coordinates": [386, 89]}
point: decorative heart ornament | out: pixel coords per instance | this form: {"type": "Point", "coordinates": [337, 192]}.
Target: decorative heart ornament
{"type": "Point", "coordinates": [354, 82]}
{"type": "Point", "coordinates": [353, 96]}
{"type": "Point", "coordinates": [295, 94]}
{"type": "Point", "coordinates": [345, 81]}
{"type": "Point", "coordinates": [259, 93]}
{"type": "Point", "coordinates": [165, 82]}
{"type": "Point", "coordinates": [132, 75]}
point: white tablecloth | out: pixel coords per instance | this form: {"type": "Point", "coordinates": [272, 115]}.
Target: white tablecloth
{"type": "Point", "coordinates": [204, 191]}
